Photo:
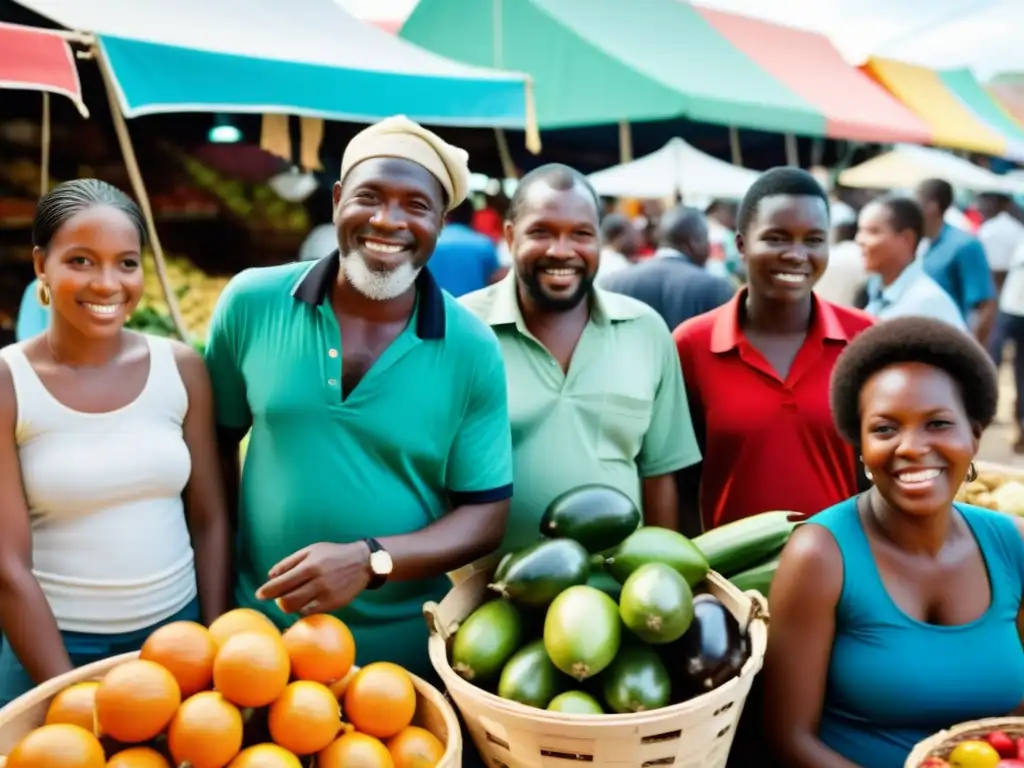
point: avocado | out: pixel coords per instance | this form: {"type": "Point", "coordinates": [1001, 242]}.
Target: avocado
{"type": "Point", "coordinates": [486, 640]}
{"type": "Point", "coordinates": [604, 582]}
{"type": "Point", "coordinates": [576, 703]}
{"type": "Point", "coordinates": [597, 516]}
{"type": "Point", "coordinates": [537, 574]}
{"type": "Point", "coordinates": [712, 651]}
{"type": "Point", "coordinates": [582, 631]}
{"type": "Point", "coordinates": [656, 604]}
{"type": "Point", "coordinates": [637, 681]}
{"type": "Point", "coordinates": [657, 545]}
{"type": "Point", "coordinates": [529, 677]}
{"type": "Point", "coordinates": [499, 572]}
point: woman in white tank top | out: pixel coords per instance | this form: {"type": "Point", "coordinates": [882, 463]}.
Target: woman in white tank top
{"type": "Point", "coordinates": [111, 507]}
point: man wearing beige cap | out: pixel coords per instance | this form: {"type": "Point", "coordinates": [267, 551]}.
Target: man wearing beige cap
{"type": "Point", "coordinates": [380, 455]}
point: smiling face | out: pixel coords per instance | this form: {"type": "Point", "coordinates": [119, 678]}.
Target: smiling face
{"type": "Point", "coordinates": [555, 245]}
{"type": "Point", "coordinates": [93, 268]}
{"type": "Point", "coordinates": [785, 246]}
{"type": "Point", "coordinates": [916, 438]}
{"type": "Point", "coordinates": [388, 214]}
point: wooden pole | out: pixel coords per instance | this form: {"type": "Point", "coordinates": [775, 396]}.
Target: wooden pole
{"type": "Point", "coordinates": [44, 146]}
{"type": "Point", "coordinates": [735, 148]}
{"type": "Point", "coordinates": [625, 142]}
{"type": "Point", "coordinates": [139, 186]}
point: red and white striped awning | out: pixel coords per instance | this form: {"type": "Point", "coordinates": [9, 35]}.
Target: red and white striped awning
{"type": "Point", "coordinates": [39, 60]}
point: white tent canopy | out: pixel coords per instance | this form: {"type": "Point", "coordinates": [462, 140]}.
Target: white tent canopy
{"type": "Point", "coordinates": [676, 168]}
{"type": "Point", "coordinates": [907, 166]}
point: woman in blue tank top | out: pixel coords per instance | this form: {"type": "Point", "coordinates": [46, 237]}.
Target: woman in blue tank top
{"type": "Point", "coordinates": [894, 613]}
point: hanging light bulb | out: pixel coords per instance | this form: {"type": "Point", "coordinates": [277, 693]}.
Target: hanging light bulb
{"type": "Point", "coordinates": [224, 131]}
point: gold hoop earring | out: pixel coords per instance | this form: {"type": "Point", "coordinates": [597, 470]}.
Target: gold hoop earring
{"type": "Point", "coordinates": [972, 473]}
{"type": "Point", "coordinates": [43, 294]}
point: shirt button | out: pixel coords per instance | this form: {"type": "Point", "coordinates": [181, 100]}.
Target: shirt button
{"type": "Point", "coordinates": [332, 353]}
{"type": "Point", "coordinates": [332, 382]}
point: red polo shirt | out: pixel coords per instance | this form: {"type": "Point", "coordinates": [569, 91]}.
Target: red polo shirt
{"type": "Point", "coordinates": [769, 444]}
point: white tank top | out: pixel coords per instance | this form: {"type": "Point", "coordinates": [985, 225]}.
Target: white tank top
{"type": "Point", "coordinates": [110, 545]}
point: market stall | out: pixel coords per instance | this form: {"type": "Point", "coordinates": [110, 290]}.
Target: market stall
{"type": "Point", "coordinates": [905, 166]}
{"type": "Point", "coordinates": [677, 169]}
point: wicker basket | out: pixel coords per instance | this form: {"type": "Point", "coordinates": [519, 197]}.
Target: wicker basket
{"type": "Point", "coordinates": [694, 734]}
{"type": "Point", "coordinates": [943, 742]}
{"type": "Point", "coordinates": [433, 711]}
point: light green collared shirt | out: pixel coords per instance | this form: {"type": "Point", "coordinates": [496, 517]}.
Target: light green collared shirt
{"type": "Point", "coordinates": [620, 413]}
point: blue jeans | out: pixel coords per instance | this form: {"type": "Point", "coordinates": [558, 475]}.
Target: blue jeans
{"type": "Point", "coordinates": [83, 648]}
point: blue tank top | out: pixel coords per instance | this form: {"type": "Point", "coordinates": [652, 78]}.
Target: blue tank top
{"type": "Point", "coordinates": [893, 680]}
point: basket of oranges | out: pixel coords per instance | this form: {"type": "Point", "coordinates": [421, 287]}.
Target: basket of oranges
{"type": "Point", "coordinates": [237, 695]}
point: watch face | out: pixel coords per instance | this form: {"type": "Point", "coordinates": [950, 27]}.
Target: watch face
{"type": "Point", "coordinates": [380, 563]}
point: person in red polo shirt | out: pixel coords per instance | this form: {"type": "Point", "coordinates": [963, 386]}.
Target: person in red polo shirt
{"type": "Point", "coordinates": [757, 368]}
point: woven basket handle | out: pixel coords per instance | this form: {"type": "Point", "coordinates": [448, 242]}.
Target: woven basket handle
{"type": "Point", "coordinates": [436, 625]}
{"type": "Point", "coordinates": [758, 609]}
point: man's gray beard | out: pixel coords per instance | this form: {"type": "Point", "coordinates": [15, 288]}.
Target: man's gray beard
{"type": "Point", "coordinates": [379, 286]}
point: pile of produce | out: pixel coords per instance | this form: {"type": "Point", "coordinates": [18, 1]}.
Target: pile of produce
{"type": "Point", "coordinates": [995, 750]}
{"type": "Point", "coordinates": [747, 551]}
{"type": "Point", "coordinates": [237, 695]}
{"type": "Point", "coordinates": [197, 295]}
{"type": "Point", "coordinates": [994, 490]}
{"type": "Point", "coordinates": [600, 616]}
{"type": "Point", "coordinates": [256, 204]}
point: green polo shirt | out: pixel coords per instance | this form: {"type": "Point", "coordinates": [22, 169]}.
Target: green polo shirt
{"type": "Point", "coordinates": [425, 431]}
{"type": "Point", "coordinates": [619, 414]}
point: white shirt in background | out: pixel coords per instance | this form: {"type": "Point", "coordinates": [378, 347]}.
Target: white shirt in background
{"type": "Point", "coordinates": [611, 262]}
{"type": "Point", "coordinates": [320, 242]}
{"type": "Point", "coordinates": [1011, 300]}
{"type": "Point", "coordinates": [844, 276]}
{"type": "Point", "coordinates": [1001, 236]}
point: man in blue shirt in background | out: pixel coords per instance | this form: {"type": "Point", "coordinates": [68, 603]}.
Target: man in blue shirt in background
{"type": "Point", "coordinates": [464, 260]}
{"type": "Point", "coordinates": [33, 317]}
{"type": "Point", "coordinates": [956, 260]}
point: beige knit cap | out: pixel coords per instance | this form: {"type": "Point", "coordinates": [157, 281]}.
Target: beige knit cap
{"type": "Point", "coordinates": [400, 137]}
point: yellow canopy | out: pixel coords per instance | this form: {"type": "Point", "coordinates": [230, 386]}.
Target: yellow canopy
{"type": "Point", "coordinates": [953, 124]}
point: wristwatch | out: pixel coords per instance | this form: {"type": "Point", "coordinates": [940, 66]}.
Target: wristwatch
{"type": "Point", "coordinates": [380, 564]}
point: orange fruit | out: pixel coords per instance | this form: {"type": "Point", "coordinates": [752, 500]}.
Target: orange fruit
{"type": "Point", "coordinates": [266, 756]}
{"type": "Point", "coordinates": [240, 620]}
{"type": "Point", "coordinates": [75, 705]}
{"type": "Point", "coordinates": [251, 669]}
{"type": "Point", "coordinates": [186, 649]}
{"type": "Point", "coordinates": [305, 718]}
{"type": "Point", "coordinates": [321, 648]}
{"type": "Point", "coordinates": [355, 750]}
{"type": "Point", "coordinates": [206, 731]}
{"type": "Point", "coordinates": [415, 747]}
{"type": "Point", "coordinates": [61, 744]}
{"type": "Point", "coordinates": [380, 700]}
{"type": "Point", "coordinates": [138, 757]}
{"type": "Point", "coordinates": [136, 700]}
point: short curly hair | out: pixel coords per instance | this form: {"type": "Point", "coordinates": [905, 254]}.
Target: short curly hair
{"type": "Point", "coordinates": [913, 340]}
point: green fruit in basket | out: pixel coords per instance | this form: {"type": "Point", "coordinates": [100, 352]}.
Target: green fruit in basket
{"type": "Point", "coordinates": [736, 546]}
{"type": "Point", "coordinates": [537, 574]}
{"type": "Point", "coordinates": [657, 545]}
{"type": "Point", "coordinates": [604, 582]}
{"type": "Point", "coordinates": [758, 578]}
{"type": "Point", "coordinates": [656, 604]}
{"type": "Point", "coordinates": [576, 703]}
{"type": "Point", "coordinates": [637, 681]}
{"type": "Point", "coordinates": [486, 640]}
{"type": "Point", "coordinates": [582, 631]}
{"type": "Point", "coordinates": [597, 516]}
{"type": "Point", "coordinates": [529, 677]}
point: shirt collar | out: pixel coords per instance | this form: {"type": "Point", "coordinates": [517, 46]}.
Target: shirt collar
{"type": "Point", "coordinates": [314, 283]}
{"type": "Point", "coordinates": [606, 307]}
{"type": "Point", "coordinates": [726, 333]}
{"type": "Point", "coordinates": [892, 293]}
{"type": "Point", "coordinates": [671, 253]}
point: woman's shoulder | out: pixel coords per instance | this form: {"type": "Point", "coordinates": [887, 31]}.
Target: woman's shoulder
{"type": "Point", "coordinates": [838, 517]}
{"type": "Point", "coordinates": [993, 528]}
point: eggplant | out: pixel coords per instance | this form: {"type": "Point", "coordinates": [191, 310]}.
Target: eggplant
{"type": "Point", "coordinates": [711, 652]}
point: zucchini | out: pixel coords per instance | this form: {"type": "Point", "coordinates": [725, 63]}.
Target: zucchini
{"type": "Point", "coordinates": [758, 578]}
{"type": "Point", "coordinates": [737, 546]}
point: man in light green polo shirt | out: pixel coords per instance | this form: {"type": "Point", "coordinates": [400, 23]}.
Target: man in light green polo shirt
{"type": "Point", "coordinates": [595, 389]}
{"type": "Point", "coordinates": [379, 457]}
